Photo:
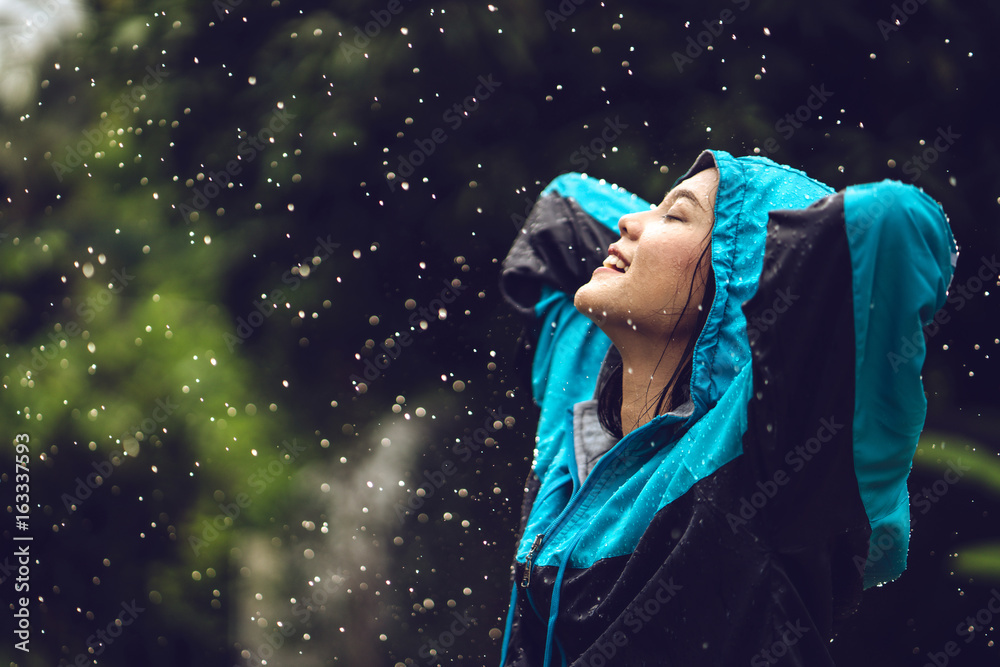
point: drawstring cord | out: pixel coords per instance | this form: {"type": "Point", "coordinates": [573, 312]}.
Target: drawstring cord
{"type": "Point", "coordinates": [550, 632]}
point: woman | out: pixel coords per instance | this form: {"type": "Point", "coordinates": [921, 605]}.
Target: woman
{"type": "Point", "coordinates": [727, 415]}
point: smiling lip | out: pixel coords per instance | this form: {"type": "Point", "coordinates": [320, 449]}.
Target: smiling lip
{"type": "Point", "coordinates": [615, 257]}
{"type": "Point", "coordinates": [602, 269]}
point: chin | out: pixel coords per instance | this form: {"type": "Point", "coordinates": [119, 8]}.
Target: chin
{"type": "Point", "coordinates": [588, 301]}
{"type": "Point", "coordinates": [579, 300]}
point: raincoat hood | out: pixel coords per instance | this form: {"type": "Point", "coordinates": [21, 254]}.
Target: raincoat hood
{"type": "Point", "coordinates": [749, 188]}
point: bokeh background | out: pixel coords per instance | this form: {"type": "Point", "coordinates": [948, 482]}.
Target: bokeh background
{"type": "Point", "coordinates": [220, 219]}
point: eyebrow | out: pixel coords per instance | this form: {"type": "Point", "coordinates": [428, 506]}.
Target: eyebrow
{"type": "Point", "coordinates": [686, 194]}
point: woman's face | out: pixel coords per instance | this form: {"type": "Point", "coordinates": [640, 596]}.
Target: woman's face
{"type": "Point", "coordinates": [659, 249]}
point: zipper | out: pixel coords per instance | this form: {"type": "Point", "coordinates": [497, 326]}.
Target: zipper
{"type": "Point", "coordinates": [561, 518]}
{"type": "Point", "coordinates": [526, 579]}
{"type": "Point", "coordinates": [605, 461]}
{"type": "Point", "coordinates": [553, 528]}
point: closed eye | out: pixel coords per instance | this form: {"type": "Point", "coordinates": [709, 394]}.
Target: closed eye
{"type": "Point", "coordinates": [667, 216]}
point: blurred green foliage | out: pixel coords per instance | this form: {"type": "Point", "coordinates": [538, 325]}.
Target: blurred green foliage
{"type": "Point", "coordinates": [968, 461]}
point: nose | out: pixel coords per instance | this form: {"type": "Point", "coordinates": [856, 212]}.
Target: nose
{"type": "Point", "coordinates": [628, 225]}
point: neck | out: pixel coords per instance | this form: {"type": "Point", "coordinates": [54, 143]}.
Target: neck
{"type": "Point", "coordinates": [646, 369]}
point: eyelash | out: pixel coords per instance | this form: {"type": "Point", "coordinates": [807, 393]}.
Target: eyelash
{"type": "Point", "coordinates": [667, 216]}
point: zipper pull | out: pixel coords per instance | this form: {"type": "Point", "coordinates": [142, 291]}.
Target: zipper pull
{"type": "Point", "coordinates": [535, 546]}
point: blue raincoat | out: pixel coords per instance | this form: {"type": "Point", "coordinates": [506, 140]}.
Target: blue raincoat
{"type": "Point", "coordinates": [741, 527]}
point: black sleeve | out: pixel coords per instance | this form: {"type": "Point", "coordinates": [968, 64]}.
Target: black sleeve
{"type": "Point", "coordinates": [559, 245]}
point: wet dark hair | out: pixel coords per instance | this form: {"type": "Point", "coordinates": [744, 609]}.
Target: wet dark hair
{"type": "Point", "coordinates": [609, 399]}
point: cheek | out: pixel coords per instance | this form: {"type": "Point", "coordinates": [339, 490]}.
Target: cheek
{"type": "Point", "coordinates": [667, 270]}
{"type": "Point", "coordinates": [667, 262]}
